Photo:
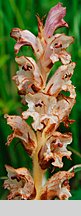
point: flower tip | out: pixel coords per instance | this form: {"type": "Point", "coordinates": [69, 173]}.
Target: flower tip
{"type": "Point", "coordinates": [6, 144]}
{"type": "Point", "coordinates": [75, 63]}
{"type": "Point", "coordinates": [60, 4]}
{"type": "Point", "coordinates": [16, 51]}
{"type": "Point", "coordinates": [6, 116]}
{"type": "Point", "coordinates": [73, 174]}
{"type": "Point", "coordinates": [5, 166]}
{"type": "Point", "coordinates": [20, 60]}
{"type": "Point", "coordinates": [14, 32]}
{"type": "Point", "coordinates": [66, 25]}
{"type": "Point", "coordinates": [16, 58]}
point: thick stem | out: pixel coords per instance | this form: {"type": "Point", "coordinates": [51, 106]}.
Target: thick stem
{"type": "Point", "coordinates": [37, 171]}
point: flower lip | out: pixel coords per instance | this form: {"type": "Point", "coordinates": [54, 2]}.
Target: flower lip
{"type": "Point", "coordinates": [15, 33]}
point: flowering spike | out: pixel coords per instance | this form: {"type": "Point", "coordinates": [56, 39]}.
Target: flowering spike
{"type": "Point", "coordinates": [47, 105]}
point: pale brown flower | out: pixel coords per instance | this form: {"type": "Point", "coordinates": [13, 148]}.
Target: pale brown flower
{"type": "Point", "coordinates": [57, 186]}
{"type": "Point", "coordinates": [54, 150]}
{"type": "Point", "coordinates": [20, 184]}
{"type": "Point", "coordinates": [22, 131]}
{"type": "Point", "coordinates": [25, 37]}
{"type": "Point", "coordinates": [47, 111]}
{"type": "Point", "coordinates": [41, 109]}
{"type": "Point", "coordinates": [61, 81]}
{"type": "Point", "coordinates": [28, 78]}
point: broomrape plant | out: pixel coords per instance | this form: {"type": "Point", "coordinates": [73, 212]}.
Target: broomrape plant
{"type": "Point", "coordinates": [48, 107]}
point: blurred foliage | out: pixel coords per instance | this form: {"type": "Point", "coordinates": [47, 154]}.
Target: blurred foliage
{"type": "Point", "coordinates": [21, 13]}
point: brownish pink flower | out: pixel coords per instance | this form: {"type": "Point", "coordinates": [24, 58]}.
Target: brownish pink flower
{"type": "Point", "coordinates": [20, 184]}
{"type": "Point", "coordinates": [61, 81]}
{"type": "Point", "coordinates": [41, 109]}
{"type": "Point", "coordinates": [54, 150]}
{"type": "Point", "coordinates": [22, 131]}
{"type": "Point", "coordinates": [28, 78]}
{"type": "Point", "coordinates": [25, 37]}
{"type": "Point", "coordinates": [57, 186]}
{"type": "Point", "coordinates": [47, 111]}
{"type": "Point", "coordinates": [54, 20]}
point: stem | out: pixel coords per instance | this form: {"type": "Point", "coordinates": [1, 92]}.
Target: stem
{"type": "Point", "coordinates": [37, 171]}
{"type": "Point", "coordinates": [75, 168]}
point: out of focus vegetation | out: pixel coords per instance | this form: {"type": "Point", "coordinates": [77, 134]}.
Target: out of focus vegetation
{"type": "Point", "coordinates": [21, 13]}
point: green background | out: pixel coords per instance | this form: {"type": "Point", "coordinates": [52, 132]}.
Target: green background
{"type": "Point", "coordinates": [21, 13]}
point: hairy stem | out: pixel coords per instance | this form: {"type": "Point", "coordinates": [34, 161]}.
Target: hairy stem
{"type": "Point", "coordinates": [37, 171]}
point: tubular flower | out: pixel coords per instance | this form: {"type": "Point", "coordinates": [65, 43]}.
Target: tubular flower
{"type": "Point", "coordinates": [20, 184]}
{"type": "Point", "coordinates": [57, 186]}
{"type": "Point", "coordinates": [28, 78]}
{"type": "Point", "coordinates": [46, 110]}
{"type": "Point", "coordinates": [22, 131]}
{"type": "Point", "coordinates": [54, 150]}
{"type": "Point", "coordinates": [48, 105]}
{"type": "Point", "coordinates": [41, 109]}
{"type": "Point", "coordinates": [61, 81]}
